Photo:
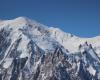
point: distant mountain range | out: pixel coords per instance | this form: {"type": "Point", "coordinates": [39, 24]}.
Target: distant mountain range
{"type": "Point", "coordinates": [32, 51]}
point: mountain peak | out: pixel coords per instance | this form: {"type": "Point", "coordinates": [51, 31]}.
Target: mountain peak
{"type": "Point", "coordinates": [25, 20]}
{"type": "Point", "coordinates": [21, 19]}
{"type": "Point", "coordinates": [48, 34]}
{"type": "Point", "coordinates": [32, 51]}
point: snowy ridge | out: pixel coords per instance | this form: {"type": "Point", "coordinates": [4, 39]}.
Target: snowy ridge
{"type": "Point", "coordinates": [72, 42]}
{"type": "Point", "coordinates": [69, 41]}
{"type": "Point", "coordinates": [47, 37]}
{"type": "Point", "coordinates": [32, 51]}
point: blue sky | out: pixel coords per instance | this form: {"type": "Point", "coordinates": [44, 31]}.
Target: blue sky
{"type": "Point", "coordinates": [79, 17]}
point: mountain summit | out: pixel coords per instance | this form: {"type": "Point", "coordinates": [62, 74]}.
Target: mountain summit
{"type": "Point", "coordinates": [32, 51]}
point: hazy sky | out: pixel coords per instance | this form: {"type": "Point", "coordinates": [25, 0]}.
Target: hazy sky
{"type": "Point", "coordinates": [79, 17]}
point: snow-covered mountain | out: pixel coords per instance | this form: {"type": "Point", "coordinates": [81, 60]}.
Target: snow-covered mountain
{"type": "Point", "coordinates": [32, 51]}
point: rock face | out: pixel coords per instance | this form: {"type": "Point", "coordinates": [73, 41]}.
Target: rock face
{"type": "Point", "coordinates": [32, 51]}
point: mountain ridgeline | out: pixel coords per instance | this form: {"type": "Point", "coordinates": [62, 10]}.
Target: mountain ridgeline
{"type": "Point", "coordinates": [32, 51]}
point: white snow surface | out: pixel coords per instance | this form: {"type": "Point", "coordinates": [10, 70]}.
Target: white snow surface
{"type": "Point", "coordinates": [91, 70]}
{"type": "Point", "coordinates": [7, 62]}
{"type": "Point", "coordinates": [23, 46]}
{"type": "Point", "coordinates": [45, 37]}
